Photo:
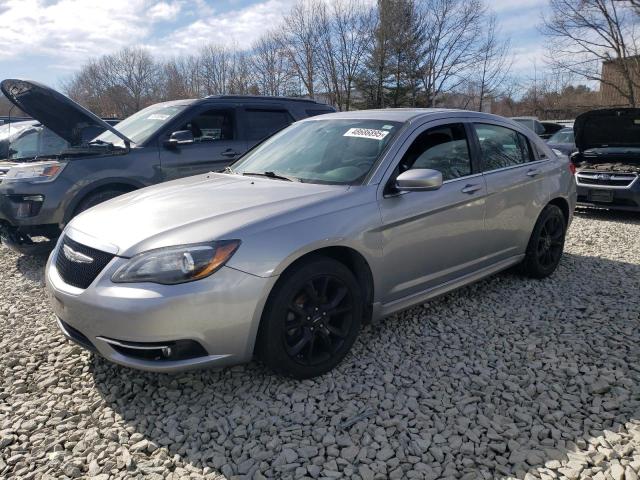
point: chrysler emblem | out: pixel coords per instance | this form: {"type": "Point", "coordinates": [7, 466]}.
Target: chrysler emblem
{"type": "Point", "coordinates": [74, 256]}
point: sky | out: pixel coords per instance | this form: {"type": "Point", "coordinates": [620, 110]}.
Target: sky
{"type": "Point", "coordinates": [47, 40]}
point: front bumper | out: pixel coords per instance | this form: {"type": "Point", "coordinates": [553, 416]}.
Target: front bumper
{"type": "Point", "coordinates": [627, 199]}
{"type": "Point", "coordinates": [221, 313]}
{"type": "Point", "coordinates": [27, 211]}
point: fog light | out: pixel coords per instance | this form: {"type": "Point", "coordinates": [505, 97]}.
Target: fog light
{"type": "Point", "coordinates": [26, 205]}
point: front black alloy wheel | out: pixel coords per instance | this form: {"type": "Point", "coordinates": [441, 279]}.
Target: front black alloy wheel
{"type": "Point", "coordinates": [318, 320]}
{"type": "Point", "coordinates": [311, 319]}
{"type": "Point", "coordinates": [546, 243]}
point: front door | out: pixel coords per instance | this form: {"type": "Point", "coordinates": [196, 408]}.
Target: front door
{"type": "Point", "coordinates": [216, 144]}
{"type": "Point", "coordinates": [432, 237]}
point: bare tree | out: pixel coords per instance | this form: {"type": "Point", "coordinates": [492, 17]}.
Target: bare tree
{"type": "Point", "coordinates": [585, 34]}
{"type": "Point", "coordinates": [454, 28]}
{"type": "Point", "coordinates": [352, 28]}
{"type": "Point", "coordinates": [271, 68]}
{"type": "Point", "coordinates": [300, 40]}
{"type": "Point", "coordinates": [494, 63]}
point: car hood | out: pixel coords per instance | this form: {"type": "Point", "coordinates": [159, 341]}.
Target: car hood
{"type": "Point", "coordinates": [610, 127]}
{"type": "Point", "coordinates": [193, 210]}
{"type": "Point", "coordinates": [54, 110]}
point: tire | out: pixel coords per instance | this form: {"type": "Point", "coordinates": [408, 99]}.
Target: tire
{"type": "Point", "coordinates": [311, 320]}
{"type": "Point", "coordinates": [546, 244]}
{"type": "Point", "coordinates": [95, 198]}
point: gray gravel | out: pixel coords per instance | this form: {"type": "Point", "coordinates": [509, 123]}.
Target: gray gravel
{"type": "Point", "coordinates": [508, 378]}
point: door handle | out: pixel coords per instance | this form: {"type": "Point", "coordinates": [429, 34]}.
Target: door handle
{"type": "Point", "coordinates": [533, 172]}
{"type": "Point", "coordinates": [471, 189]}
{"type": "Point", "coordinates": [229, 153]}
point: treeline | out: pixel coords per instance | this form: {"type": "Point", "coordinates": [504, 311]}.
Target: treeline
{"type": "Point", "coordinates": [345, 52]}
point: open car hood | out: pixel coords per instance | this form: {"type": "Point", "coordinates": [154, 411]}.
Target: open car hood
{"type": "Point", "coordinates": [608, 127]}
{"type": "Point", "coordinates": [54, 110]}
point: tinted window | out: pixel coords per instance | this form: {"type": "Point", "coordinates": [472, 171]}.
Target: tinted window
{"type": "Point", "coordinates": [502, 147]}
{"type": "Point", "coordinates": [263, 123]}
{"type": "Point", "coordinates": [442, 148]}
{"type": "Point", "coordinates": [211, 125]}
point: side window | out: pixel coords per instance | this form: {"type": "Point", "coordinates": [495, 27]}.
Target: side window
{"type": "Point", "coordinates": [443, 148]}
{"type": "Point", "coordinates": [526, 146]}
{"type": "Point", "coordinates": [501, 147]}
{"type": "Point", "coordinates": [211, 125]}
{"type": "Point", "coordinates": [263, 123]}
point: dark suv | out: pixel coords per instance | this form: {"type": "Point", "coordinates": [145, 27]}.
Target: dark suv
{"type": "Point", "coordinates": [162, 142]}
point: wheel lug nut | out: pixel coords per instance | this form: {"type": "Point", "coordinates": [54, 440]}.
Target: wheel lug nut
{"type": "Point", "coordinates": [324, 314]}
{"type": "Point", "coordinates": [308, 318]}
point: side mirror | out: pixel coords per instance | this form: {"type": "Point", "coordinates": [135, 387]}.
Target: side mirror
{"type": "Point", "coordinates": [419, 180]}
{"type": "Point", "coordinates": [181, 137]}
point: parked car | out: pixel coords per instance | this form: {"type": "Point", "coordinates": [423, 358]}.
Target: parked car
{"type": "Point", "coordinates": [542, 129]}
{"type": "Point", "coordinates": [5, 119]}
{"type": "Point", "coordinates": [162, 142]}
{"type": "Point", "coordinates": [563, 141]}
{"type": "Point", "coordinates": [332, 222]}
{"type": "Point", "coordinates": [608, 158]}
{"type": "Point", "coordinates": [532, 123]}
{"type": "Point", "coordinates": [23, 141]}
{"type": "Point", "coordinates": [550, 129]}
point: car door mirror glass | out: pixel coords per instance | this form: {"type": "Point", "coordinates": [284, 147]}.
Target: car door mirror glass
{"type": "Point", "coordinates": [419, 180]}
{"type": "Point", "coordinates": [181, 137]}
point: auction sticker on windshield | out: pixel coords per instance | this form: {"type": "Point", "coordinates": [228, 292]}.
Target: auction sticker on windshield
{"type": "Point", "coordinates": [372, 133]}
{"type": "Point", "coordinates": [158, 116]}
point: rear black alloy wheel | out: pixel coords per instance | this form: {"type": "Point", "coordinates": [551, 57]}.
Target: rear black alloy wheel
{"type": "Point", "coordinates": [546, 243]}
{"type": "Point", "coordinates": [311, 319]}
{"type": "Point", "coordinates": [550, 241]}
{"type": "Point", "coordinates": [318, 320]}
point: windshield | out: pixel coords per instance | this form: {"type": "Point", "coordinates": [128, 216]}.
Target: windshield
{"type": "Point", "coordinates": [563, 136]}
{"type": "Point", "coordinates": [140, 126]}
{"type": "Point", "coordinates": [322, 151]}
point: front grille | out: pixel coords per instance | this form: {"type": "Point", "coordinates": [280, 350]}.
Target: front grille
{"type": "Point", "coordinates": [80, 274]}
{"type": "Point", "coordinates": [615, 180]}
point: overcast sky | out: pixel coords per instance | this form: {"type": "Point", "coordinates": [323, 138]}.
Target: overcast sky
{"type": "Point", "coordinates": [46, 40]}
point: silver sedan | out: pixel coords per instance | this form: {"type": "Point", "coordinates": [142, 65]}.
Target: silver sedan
{"type": "Point", "coordinates": [336, 221]}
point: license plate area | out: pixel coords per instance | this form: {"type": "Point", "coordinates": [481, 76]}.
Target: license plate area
{"type": "Point", "coordinates": [601, 196]}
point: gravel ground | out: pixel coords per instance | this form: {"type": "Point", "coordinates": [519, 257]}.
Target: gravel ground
{"type": "Point", "coordinates": [507, 378]}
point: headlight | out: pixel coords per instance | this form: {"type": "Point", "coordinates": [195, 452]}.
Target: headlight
{"type": "Point", "coordinates": [35, 172]}
{"type": "Point", "coordinates": [179, 264]}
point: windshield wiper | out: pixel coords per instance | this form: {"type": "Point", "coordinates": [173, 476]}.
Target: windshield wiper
{"type": "Point", "coordinates": [273, 175]}
{"type": "Point", "coordinates": [101, 142]}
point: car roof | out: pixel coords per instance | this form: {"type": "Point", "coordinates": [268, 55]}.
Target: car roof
{"type": "Point", "coordinates": [245, 98]}
{"type": "Point", "coordinates": [405, 114]}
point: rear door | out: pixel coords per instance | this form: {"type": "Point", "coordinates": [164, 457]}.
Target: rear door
{"type": "Point", "coordinates": [433, 237]}
{"type": "Point", "coordinates": [258, 122]}
{"type": "Point", "coordinates": [515, 178]}
{"type": "Point", "coordinates": [217, 142]}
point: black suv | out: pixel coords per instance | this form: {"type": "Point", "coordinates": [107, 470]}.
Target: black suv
{"type": "Point", "coordinates": [162, 142]}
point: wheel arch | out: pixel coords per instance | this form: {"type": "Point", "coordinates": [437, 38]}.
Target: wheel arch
{"type": "Point", "coordinates": [563, 204]}
{"type": "Point", "coordinates": [353, 260]}
{"type": "Point", "coordinates": [122, 184]}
